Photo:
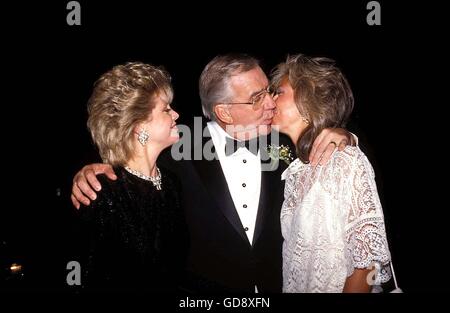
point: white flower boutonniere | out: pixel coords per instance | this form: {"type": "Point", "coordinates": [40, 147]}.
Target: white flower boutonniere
{"type": "Point", "coordinates": [280, 153]}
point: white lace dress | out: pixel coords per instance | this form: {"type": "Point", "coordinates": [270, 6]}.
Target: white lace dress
{"type": "Point", "coordinates": [332, 222]}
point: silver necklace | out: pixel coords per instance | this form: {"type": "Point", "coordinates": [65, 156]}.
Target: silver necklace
{"type": "Point", "coordinates": [156, 181]}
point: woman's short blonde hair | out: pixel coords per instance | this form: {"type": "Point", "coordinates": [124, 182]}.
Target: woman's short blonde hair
{"type": "Point", "coordinates": [122, 98]}
{"type": "Point", "coordinates": [321, 92]}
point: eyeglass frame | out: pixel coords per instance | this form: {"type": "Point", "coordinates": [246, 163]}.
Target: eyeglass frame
{"type": "Point", "coordinates": [268, 90]}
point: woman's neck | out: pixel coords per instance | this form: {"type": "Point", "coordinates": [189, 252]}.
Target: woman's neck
{"type": "Point", "coordinates": [294, 131]}
{"type": "Point", "coordinates": [144, 163]}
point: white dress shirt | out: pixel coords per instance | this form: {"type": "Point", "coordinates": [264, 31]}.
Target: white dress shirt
{"type": "Point", "coordinates": [242, 171]}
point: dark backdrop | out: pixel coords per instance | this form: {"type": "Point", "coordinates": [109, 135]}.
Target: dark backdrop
{"type": "Point", "coordinates": [53, 68]}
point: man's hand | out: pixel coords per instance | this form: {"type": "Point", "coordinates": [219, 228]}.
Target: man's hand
{"type": "Point", "coordinates": [327, 141]}
{"type": "Point", "coordinates": [85, 179]}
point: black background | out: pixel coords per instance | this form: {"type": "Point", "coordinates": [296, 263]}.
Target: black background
{"type": "Point", "coordinates": [50, 68]}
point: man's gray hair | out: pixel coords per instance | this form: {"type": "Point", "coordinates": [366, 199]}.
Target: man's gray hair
{"type": "Point", "coordinates": [214, 81]}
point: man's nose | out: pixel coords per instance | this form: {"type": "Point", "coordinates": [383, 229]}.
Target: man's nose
{"type": "Point", "coordinates": [269, 103]}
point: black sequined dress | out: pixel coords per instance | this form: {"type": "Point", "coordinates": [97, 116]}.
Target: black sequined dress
{"type": "Point", "coordinates": [136, 236]}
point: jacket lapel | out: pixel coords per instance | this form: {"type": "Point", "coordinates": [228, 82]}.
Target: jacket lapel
{"type": "Point", "coordinates": [269, 188]}
{"type": "Point", "coordinates": [213, 179]}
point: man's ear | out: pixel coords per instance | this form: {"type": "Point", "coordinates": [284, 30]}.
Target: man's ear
{"type": "Point", "coordinates": [223, 114]}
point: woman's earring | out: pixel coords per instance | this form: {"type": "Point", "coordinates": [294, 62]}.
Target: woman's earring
{"type": "Point", "coordinates": [304, 119]}
{"type": "Point", "coordinates": [143, 137]}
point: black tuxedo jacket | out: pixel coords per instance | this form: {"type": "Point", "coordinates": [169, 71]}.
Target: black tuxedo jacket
{"type": "Point", "coordinates": [221, 259]}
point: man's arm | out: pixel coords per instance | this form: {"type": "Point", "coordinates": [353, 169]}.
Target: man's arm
{"type": "Point", "coordinates": [85, 181]}
{"type": "Point", "coordinates": [327, 141]}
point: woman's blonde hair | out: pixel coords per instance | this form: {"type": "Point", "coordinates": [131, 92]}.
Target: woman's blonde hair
{"type": "Point", "coordinates": [321, 92]}
{"type": "Point", "coordinates": [122, 98]}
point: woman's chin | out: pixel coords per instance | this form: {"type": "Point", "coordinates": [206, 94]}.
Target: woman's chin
{"type": "Point", "coordinates": [277, 126]}
{"type": "Point", "coordinates": [174, 133]}
{"type": "Point", "coordinates": [174, 139]}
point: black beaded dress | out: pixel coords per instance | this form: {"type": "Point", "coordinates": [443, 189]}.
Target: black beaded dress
{"type": "Point", "coordinates": [135, 235]}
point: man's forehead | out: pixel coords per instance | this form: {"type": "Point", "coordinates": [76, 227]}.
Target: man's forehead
{"type": "Point", "coordinates": [253, 80]}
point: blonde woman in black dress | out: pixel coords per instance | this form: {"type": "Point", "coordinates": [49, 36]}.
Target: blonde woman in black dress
{"type": "Point", "coordinates": [136, 233]}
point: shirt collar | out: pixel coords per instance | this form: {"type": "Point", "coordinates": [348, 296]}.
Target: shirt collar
{"type": "Point", "coordinates": [219, 135]}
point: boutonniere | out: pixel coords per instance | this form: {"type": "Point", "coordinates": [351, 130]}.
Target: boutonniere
{"type": "Point", "coordinates": [280, 153]}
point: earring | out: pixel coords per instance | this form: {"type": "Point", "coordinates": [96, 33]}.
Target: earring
{"type": "Point", "coordinates": [143, 137]}
{"type": "Point", "coordinates": [304, 119]}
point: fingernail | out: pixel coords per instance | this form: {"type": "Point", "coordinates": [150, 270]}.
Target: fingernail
{"type": "Point", "coordinates": [94, 196]}
{"type": "Point", "coordinates": [97, 187]}
{"type": "Point", "coordinates": [114, 177]}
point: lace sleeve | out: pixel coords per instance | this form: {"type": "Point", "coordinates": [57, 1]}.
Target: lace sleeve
{"type": "Point", "coordinates": [365, 231]}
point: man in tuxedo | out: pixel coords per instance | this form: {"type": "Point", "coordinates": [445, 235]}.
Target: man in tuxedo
{"type": "Point", "coordinates": [232, 202]}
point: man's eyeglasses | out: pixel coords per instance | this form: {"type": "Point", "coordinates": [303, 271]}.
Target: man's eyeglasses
{"type": "Point", "coordinates": [257, 99]}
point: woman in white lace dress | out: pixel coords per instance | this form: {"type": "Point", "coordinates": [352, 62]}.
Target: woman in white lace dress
{"type": "Point", "coordinates": [332, 220]}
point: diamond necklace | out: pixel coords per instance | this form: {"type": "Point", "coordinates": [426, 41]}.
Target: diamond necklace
{"type": "Point", "coordinates": [155, 180]}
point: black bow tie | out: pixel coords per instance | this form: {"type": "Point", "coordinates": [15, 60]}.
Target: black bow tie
{"type": "Point", "coordinates": [232, 145]}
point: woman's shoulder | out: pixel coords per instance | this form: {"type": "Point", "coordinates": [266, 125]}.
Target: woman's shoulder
{"type": "Point", "coordinates": [169, 175]}
{"type": "Point", "coordinates": [350, 154]}
{"type": "Point", "coordinates": [351, 158]}
{"type": "Point", "coordinates": [110, 189]}
{"type": "Point", "coordinates": [109, 185]}
{"type": "Point", "coordinates": [294, 167]}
